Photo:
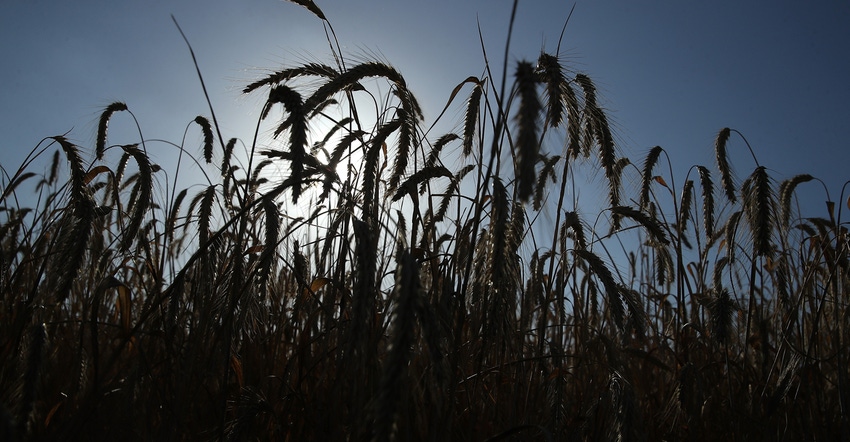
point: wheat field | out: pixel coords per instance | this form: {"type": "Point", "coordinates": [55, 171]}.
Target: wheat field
{"type": "Point", "coordinates": [376, 291]}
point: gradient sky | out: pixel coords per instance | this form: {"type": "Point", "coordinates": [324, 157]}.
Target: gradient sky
{"type": "Point", "coordinates": [670, 73]}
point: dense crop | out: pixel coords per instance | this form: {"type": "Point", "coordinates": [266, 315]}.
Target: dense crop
{"type": "Point", "coordinates": [372, 291]}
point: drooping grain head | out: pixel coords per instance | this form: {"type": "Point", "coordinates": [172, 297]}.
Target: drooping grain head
{"type": "Point", "coordinates": [206, 129]}
{"type": "Point", "coordinates": [786, 191]}
{"type": "Point", "coordinates": [646, 176]}
{"type": "Point", "coordinates": [103, 124]}
{"type": "Point", "coordinates": [143, 191]}
{"type": "Point", "coordinates": [726, 179]}
{"type": "Point", "coordinates": [311, 6]}
{"type": "Point", "coordinates": [551, 73]}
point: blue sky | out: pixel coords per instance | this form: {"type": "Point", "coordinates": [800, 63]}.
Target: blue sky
{"type": "Point", "coordinates": [670, 73]}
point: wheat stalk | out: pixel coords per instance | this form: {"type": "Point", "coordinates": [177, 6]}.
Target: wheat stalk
{"type": "Point", "coordinates": [726, 180]}
{"type": "Point", "coordinates": [102, 125]}
{"type": "Point", "coordinates": [498, 275]}
{"type": "Point", "coordinates": [573, 222]}
{"type": "Point", "coordinates": [450, 193]}
{"type": "Point", "coordinates": [311, 6]}
{"type": "Point", "coordinates": [707, 200]}
{"type": "Point", "coordinates": [646, 175]}
{"type": "Point", "coordinates": [296, 123]}
{"type": "Point", "coordinates": [546, 172]}
{"type": "Point", "coordinates": [344, 145]}
{"type": "Point", "coordinates": [612, 289]}
{"type": "Point", "coordinates": [73, 246]}
{"type": "Point", "coordinates": [721, 308]}
{"type": "Point", "coordinates": [405, 141]}
{"type": "Point", "coordinates": [420, 178]}
{"type": "Point", "coordinates": [309, 69]}
{"type": "Point", "coordinates": [370, 168]}
{"type": "Point", "coordinates": [786, 191]}
{"type": "Point", "coordinates": [730, 230]}
{"type": "Point", "coordinates": [599, 130]}
{"type": "Point", "coordinates": [75, 161]}
{"type": "Point", "coordinates": [551, 73]}
{"type": "Point", "coordinates": [685, 206]}
{"type": "Point", "coordinates": [663, 263]}
{"type": "Point", "coordinates": [353, 75]}
{"type": "Point", "coordinates": [54, 170]}
{"type": "Point", "coordinates": [206, 129]}
{"type": "Point", "coordinates": [471, 118]}
{"type": "Point", "coordinates": [759, 208]}
{"type": "Point", "coordinates": [437, 148]}
{"type": "Point", "coordinates": [16, 181]}
{"type": "Point", "coordinates": [206, 199]}
{"type": "Point", "coordinates": [650, 224]}
{"type": "Point", "coordinates": [142, 191]}
{"type": "Point", "coordinates": [270, 242]}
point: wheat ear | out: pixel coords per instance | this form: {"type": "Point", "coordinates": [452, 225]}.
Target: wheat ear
{"type": "Point", "coordinates": [70, 258]}
{"type": "Point", "coordinates": [721, 308]}
{"type": "Point", "coordinates": [206, 129]}
{"type": "Point", "coordinates": [726, 180]}
{"type": "Point", "coordinates": [759, 207]}
{"type": "Point", "coordinates": [550, 72]}
{"type": "Point", "coordinates": [597, 123]}
{"type": "Point", "coordinates": [296, 123]}
{"type": "Point", "coordinates": [707, 187]}
{"type": "Point", "coordinates": [786, 190]}
{"type": "Point", "coordinates": [103, 124]}
{"type": "Point", "coordinates": [685, 205]}
{"type": "Point", "coordinates": [646, 175]}
{"type": "Point", "coordinates": [652, 226]}
{"type": "Point", "coordinates": [142, 191]}
{"type": "Point", "coordinates": [311, 6]}
{"type": "Point", "coordinates": [307, 70]}
{"type": "Point", "coordinates": [612, 289]}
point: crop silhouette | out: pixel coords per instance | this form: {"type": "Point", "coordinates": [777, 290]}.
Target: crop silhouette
{"type": "Point", "coordinates": [370, 291]}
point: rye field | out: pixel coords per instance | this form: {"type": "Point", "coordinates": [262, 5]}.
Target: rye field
{"type": "Point", "coordinates": [363, 277]}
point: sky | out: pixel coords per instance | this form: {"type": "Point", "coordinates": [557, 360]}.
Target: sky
{"type": "Point", "coordinates": [669, 73]}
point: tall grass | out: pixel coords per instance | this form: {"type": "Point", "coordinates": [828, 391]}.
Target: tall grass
{"type": "Point", "coordinates": [410, 301]}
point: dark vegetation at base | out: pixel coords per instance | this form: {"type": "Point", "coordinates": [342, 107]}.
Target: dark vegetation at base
{"type": "Point", "coordinates": [410, 301]}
